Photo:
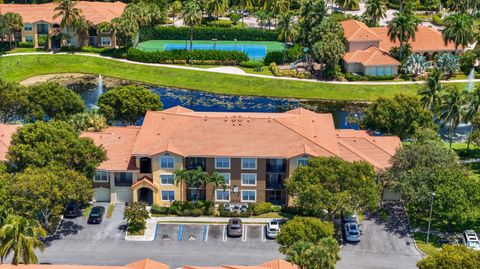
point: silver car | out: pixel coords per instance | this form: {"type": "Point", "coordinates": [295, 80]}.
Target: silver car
{"type": "Point", "coordinates": [352, 232]}
{"type": "Point", "coordinates": [273, 228]}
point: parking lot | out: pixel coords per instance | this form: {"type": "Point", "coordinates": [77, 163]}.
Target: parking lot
{"type": "Point", "coordinates": [215, 233]}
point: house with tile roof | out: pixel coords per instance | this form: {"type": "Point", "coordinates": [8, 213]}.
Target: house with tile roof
{"type": "Point", "coordinates": [368, 48]}
{"type": "Point", "coordinates": [41, 29]}
{"type": "Point", "coordinates": [255, 153]}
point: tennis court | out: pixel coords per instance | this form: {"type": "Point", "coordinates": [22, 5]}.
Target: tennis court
{"type": "Point", "coordinates": [255, 50]}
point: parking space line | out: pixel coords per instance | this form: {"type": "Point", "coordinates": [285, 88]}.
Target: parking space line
{"type": "Point", "coordinates": [180, 232]}
{"type": "Point", "coordinates": [224, 236]}
{"type": "Point", "coordinates": [244, 234]}
{"type": "Point", "coordinates": [264, 233]}
{"type": "Point", "coordinates": [205, 232]}
{"type": "Point", "coordinates": [155, 236]}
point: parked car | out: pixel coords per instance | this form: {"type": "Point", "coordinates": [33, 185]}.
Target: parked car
{"type": "Point", "coordinates": [470, 239]}
{"type": "Point", "coordinates": [352, 232]}
{"type": "Point", "coordinates": [234, 228]}
{"type": "Point", "coordinates": [96, 215]}
{"type": "Point", "coordinates": [273, 228]}
{"type": "Point", "coordinates": [72, 210]}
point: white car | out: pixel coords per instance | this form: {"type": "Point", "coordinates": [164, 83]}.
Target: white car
{"type": "Point", "coordinates": [273, 228]}
{"type": "Point", "coordinates": [352, 232]}
{"type": "Point", "coordinates": [470, 239]}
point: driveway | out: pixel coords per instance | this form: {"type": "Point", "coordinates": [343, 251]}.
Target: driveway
{"type": "Point", "coordinates": [384, 245]}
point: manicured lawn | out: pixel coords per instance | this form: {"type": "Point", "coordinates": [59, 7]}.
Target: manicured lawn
{"type": "Point", "coordinates": [22, 50]}
{"type": "Point", "coordinates": [433, 243]}
{"type": "Point", "coordinates": [153, 45]}
{"type": "Point", "coordinates": [18, 68]}
{"type": "Point", "coordinates": [110, 209]}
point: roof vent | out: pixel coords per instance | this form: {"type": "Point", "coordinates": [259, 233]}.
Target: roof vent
{"type": "Point", "coordinates": [158, 134]}
{"type": "Point", "coordinates": [119, 137]}
{"type": "Point", "coordinates": [205, 118]}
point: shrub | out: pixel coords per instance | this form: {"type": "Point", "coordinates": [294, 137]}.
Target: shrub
{"type": "Point", "coordinates": [196, 56]}
{"type": "Point", "coordinates": [206, 33]}
{"type": "Point", "coordinates": [136, 215]}
{"type": "Point", "coordinates": [352, 77]}
{"type": "Point", "coordinates": [262, 208]}
{"type": "Point", "coordinates": [94, 49]}
{"type": "Point", "coordinates": [230, 214]}
{"type": "Point", "coordinates": [288, 73]}
{"type": "Point", "coordinates": [70, 49]}
{"type": "Point", "coordinates": [187, 208]}
{"type": "Point", "coordinates": [220, 23]}
{"type": "Point", "coordinates": [235, 18]}
{"type": "Point", "coordinates": [274, 57]}
{"type": "Point", "coordinates": [251, 64]}
{"type": "Point", "coordinates": [437, 20]}
{"type": "Point", "coordinates": [25, 44]}
{"type": "Point", "coordinates": [42, 40]}
{"type": "Point", "coordinates": [159, 210]}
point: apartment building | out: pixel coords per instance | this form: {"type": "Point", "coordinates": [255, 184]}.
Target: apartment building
{"type": "Point", "coordinates": [41, 29]}
{"type": "Point", "coordinates": [256, 153]}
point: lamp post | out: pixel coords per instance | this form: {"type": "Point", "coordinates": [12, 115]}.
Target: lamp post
{"type": "Point", "coordinates": [430, 218]}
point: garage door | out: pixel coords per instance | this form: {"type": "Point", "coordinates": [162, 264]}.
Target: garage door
{"type": "Point", "coordinates": [124, 196]}
{"type": "Point", "coordinates": [102, 195]}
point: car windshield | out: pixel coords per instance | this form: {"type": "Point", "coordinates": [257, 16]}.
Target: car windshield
{"type": "Point", "coordinates": [473, 244]}
{"type": "Point", "coordinates": [353, 233]}
{"type": "Point", "coordinates": [95, 212]}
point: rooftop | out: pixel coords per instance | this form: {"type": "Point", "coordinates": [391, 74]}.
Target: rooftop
{"type": "Point", "coordinates": [6, 131]}
{"type": "Point", "coordinates": [357, 31]}
{"type": "Point", "coordinates": [372, 56]}
{"type": "Point", "coordinates": [95, 12]}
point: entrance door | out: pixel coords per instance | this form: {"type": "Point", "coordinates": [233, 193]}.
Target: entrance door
{"type": "Point", "coordinates": [145, 195]}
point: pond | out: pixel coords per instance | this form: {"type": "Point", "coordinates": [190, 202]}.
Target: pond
{"type": "Point", "coordinates": [203, 101]}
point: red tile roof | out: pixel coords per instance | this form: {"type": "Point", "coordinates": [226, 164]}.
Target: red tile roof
{"type": "Point", "coordinates": [372, 56]}
{"type": "Point", "coordinates": [95, 12]}
{"type": "Point", "coordinates": [357, 31]}
{"type": "Point", "coordinates": [147, 264]}
{"type": "Point", "coordinates": [6, 131]}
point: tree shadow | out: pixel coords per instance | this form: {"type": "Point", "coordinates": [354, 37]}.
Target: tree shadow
{"type": "Point", "coordinates": [393, 218]}
{"type": "Point", "coordinates": [66, 228]}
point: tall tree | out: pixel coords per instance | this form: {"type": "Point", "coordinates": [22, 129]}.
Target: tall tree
{"type": "Point", "coordinates": [13, 102]}
{"type": "Point", "coordinates": [349, 4]}
{"type": "Point", "coordinates": [312, 13]}
{"type": "Point", "coordinates": [217, 7]}
{"type": "Point", "coordinates": [192, 16]}
{"type": "Point", "coordinates": [431, 92]}
{"type": "Point", "coordinates": [217, 181]}
{"type": "Point", "coordinates": [245, 5]}
{"type": "Point", "coordinates": [195, 178]}
{"type": "Point", "coordinates": [459, 30]}
{"type": "Point", "coordinates": [82, 27]}
{"type": "Point", "coordinates": [69, 13]}
{"type": "Point", "coordinates": [305, 229]}
{"type": "Point", "coordinates": [128, 104]}
{"type": "Point", "coordinates": [321, 255]}
{"type": "Point", "coordinates": [19, 238]}
{"type": "Point", "coordinates": [452, 110]}
{"type": "Point", "coordinates": [175, 8]}
{"type": "Point", "coordinates": [13, 23]}
{"type": "Point", "coordinates": [376, 10]}
{"type": "Point", "coordinates": [451, 257]}
{"type": "Point", "coordinates": [287, 29]}
{"type": "Point", "coordinates": [90, 121]}
{"type": "Point", "coordinates": [402, 28]}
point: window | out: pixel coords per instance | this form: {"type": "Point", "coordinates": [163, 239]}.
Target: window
{"type": "Point", "coordinates": [29, 38]}
{"type": "Point", "coordinates": [226, 176]}
{"type": "Point", "coordinates": [249, 179]}
{"type": "Point", "coordinates": [101, 176]}
{"type": "Point", "coordinates": [388, 70]}
{"type": "Point", "coordinates": [145, 165]}
{"type": "Point", "coordinates": [168, 195]}
{"type": "Point", "coordinates": [222, 195]}
{"type": "Point", "coordinates": [222, 163]}
{"type": "Point", "coordinates": [302, 161]}
{"type": "Point", "coordinates": [249, 163]}
{"type": "Point", "coordinates": [249, 196]}
{"type": "Point", "coordinates": [106, 41]}
{"type": "Point", "coordinates": [27, 27]}
{"type": "Point", "coordinates": [42, 29]}
{"type": "Point", "coordinates": [167, 162]}
{"type": "Point", "coordinates": [167, 179]}
{"type": "Point", "coordinates": [123, 179]}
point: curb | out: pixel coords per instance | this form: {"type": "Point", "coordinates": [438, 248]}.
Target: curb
{"type": "Point", "coordinates": [411, 232]}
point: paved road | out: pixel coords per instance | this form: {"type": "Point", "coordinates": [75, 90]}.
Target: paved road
{"type": "Point", "coordinates": [383, 245]}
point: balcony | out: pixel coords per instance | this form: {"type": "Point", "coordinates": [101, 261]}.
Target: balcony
{"type": "Point", "coordinates": [275, 186]}
{"type": "Point", "coordinates": [276, 166]}
{"type": "Point", "coordinates": [192, 163]}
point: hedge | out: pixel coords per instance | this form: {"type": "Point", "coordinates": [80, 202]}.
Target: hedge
{"type": "Point", "coordinates": [25, 44]}
{"type": "Point", "coordinates": [276, 71]}
{"type": "Point", "coordinates": [206, 33]}
{"type": "Point", "coordinates": [352, 77]}
{"type": "Point", "coordinates": [214, 57]}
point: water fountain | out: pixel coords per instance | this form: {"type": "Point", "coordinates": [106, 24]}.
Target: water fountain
{"type": "Point", "coordinates": [98, 92]}
{"type": "Point", "coordinates": [471, 78]}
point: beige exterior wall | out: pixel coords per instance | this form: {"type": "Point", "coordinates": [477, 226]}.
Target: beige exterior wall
{"type": "Point", "coordinates": [354, 46]}
{"type": "Point", "coordinates": [354, 68]}
{"type": "Point", "coordinates": [157, 171]}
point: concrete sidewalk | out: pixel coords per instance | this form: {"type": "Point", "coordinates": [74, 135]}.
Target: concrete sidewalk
{"type": "Point", "coordinates": [175, 219]}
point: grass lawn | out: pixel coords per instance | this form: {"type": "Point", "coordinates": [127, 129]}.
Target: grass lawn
{"type": "Point", "coordinates": [142, 232]}
{"type": "Point", "coordinates": [18, 68]}
{"type": "Point", "coordinates": [433, 245]}
{"type": "Point", "coordinates": [110, 209]}
{"type": "Point", "coordinates": [153, 45]}
{"type": "Point", "coordinates": [86, 212]}
{"type": "Point", "coordinates": [21, 50]}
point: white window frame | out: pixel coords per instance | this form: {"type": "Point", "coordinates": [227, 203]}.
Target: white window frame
{"type": "Point", "coordinates": [248, 201]}
{"type": "Point", "coordinates": [229, 163]}
{"type": "Point", "coordinates": [229, 177]}
{"type": "Point", "coordinates": [249, 168]}
{"type": "Point", "coordinates": [249, 174]}
{"type": "Point", "coordinates": [101, 181]}
{"type": "Point", "coordinates": [167, 157]}
{"type": "Point", "coordinates": [161, 195]}
{"type": "Point", "coordinates": [167, 174]}
{"type": "Point", "coordinates": [25, 26]}
{"type": "Point", "coordinates": [222, 200]}
{"type": "Point", "coordinates": [102, 38]}
{"type": "Point", "coordinates": [302, 159]}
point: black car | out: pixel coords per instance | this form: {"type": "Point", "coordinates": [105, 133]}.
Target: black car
{"type": "Point", "coordinates": [72, 210]}
{"type": "Point", "coordinates": [96, 215]}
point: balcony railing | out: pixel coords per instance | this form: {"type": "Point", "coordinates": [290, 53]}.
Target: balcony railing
{"type": "Point", "coordinates": [275, 186]}
{"type": "Point", "coordinates": [276, 168]}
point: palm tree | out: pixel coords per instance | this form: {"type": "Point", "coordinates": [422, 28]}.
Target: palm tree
{"type": "Point", "coordinates": [217, 7]}
{"type": "Point", "coordinates": [13, 23]}
{"type": "Point", "coordinates": [402, 27]}
{"type": "Point", "coordinates": [431, 93]}
{"type": "Point", "coordinates": [21, 237]}
{"type": "Point", "coordinates": [296, 254]}
{"type": "Point", "coordinates": [175, 8]}
{"type": "Point", "coordinates": [69, 13]}
{"type": "Point", "coordinates": [90, 121]}
{"type": "Point", "coordinates": [244, 5]}
{"type": "Point", "coordinates": [349, 4]}
{"type": "Point", "coordinates": [452, 110]}
{"type": "Point", "coordinates": [376, 10]}
{"type": "Point", "coordinates": [192, 16]}
{"type": "Point", "coordinates": [218, 181]}
{"type": "Point", "coordinates": [459, 30]}
{"type": "Point", "coordinates": [192, 178]}
{"type": "Point", "coordinates": [287, 29]}
{"type": "Point", "coordinates": [82, 26]}
{"type": "Point", "coordinates": [277, 7]}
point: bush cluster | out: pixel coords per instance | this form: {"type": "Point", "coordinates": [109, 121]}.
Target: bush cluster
{"type": "Point", "coordinates": [206, 33]}
{"type": "Point", "coordinates": [288, 73]}
{"type": "Point", "coordinates": [251, 64]}
{"type": "Point", "coordinates": [220, 23]}
{"type": "Point", "coordinates": [437, 20]}
{"type": "Point", "coordinates": [233, 214]}
{"type": "Point", "coordinates": [352, 77]}
{"type": "Point", "coordinates": [274, 57]}
{"type": "Point", "coordinates": [25, 44]}
{"type": "Point", "coordinates": [265, 207]}
{"type": "Point", "coordinates": [190, 209]}
{"type": "Point", "coordinates": [195, 57]}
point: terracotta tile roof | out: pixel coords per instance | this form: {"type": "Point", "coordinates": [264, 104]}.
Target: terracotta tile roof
{"type": "Point", "coordinates": [96, 12]}
{"type": "Point", "coordinates": [6, 131]}
{"type": "Point", "coordinates": [58, 266]}
{"type": "Point", "coordinates": [232, 134]}
{"type": "Point", "coordinates": [275, 264]}
{"type": "Point", "coordinates": [147, 264]}
{"type": "Point", "coordinates": [372, 56]}
{"type": "Point", "coordinates": [118, 142]}
{"type": "Point", "coordinates": [426, 39]}
{"type": "Point", "coordinates": [357, 31]}
{"type": "Point", "coordinates": [145, 180]}
{"type": "Point", "coordinates": [279, 264]}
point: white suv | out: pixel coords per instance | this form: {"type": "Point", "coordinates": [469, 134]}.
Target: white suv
{"type": "Point", "coordinates": [273, 228]}
{"type": "Point", "coordinates": [470, 239]}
